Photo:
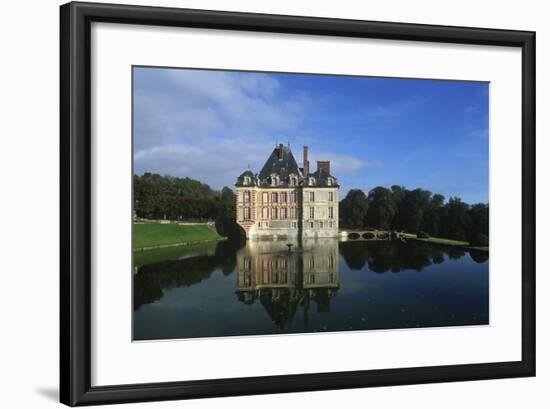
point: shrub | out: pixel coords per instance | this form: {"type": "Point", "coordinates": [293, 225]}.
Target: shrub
{"type": "Point", "coordinates": [423, 235]}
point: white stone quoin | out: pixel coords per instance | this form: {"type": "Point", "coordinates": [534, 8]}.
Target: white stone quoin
{"type": "Point", "coordinates": [284, 200]}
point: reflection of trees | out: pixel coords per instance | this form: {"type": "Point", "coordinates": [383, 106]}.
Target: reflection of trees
{"type": "Point", "coordinates": [455, 253]}
{"type": "Point", "coordinates": [395, 256]}
{"type": "Point", "coordinates": [479, 256]}
{"type": "Point", "coordinates": [152, 279]}
{"type": "Point", "coordinates": [281, 280]}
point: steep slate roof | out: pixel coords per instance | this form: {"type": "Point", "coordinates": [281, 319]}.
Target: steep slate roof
{"type": "Point", "coordinates": [281, 162]}
{"type": "Point", "coordinates": [321, 178]}
{"type": "Point", "coordinates": [240, 179]}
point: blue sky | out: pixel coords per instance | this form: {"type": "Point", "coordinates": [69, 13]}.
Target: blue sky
{"type": "Point", "coordinates": [210, 125]}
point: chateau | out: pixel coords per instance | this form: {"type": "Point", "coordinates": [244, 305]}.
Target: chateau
{"type": "Point", "coordinates": [284, 200]}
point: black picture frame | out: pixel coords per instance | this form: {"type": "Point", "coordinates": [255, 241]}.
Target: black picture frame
{"type": "Point", "coordinates": [76, 195]}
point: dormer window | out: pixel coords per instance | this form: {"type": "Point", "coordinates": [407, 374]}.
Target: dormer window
{"type": "Point", "coordinates": [247, 180]}
{"type": "Point", "coordinates": [311, 181]}
{"type": "Point", "coordinates": [292, 180]}
{"type": "Point", "coordinates": [329, 181]}
{"type": "Point", "coordinates": [274, 180]}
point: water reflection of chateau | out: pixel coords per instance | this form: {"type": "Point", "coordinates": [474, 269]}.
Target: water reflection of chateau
{"type": "Point", "coordinates": [281, 280]}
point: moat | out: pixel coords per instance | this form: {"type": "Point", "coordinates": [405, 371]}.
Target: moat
{"type": "Point", "coordinates": [262, 287]}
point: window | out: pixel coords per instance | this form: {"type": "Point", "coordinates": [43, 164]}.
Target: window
{"type": "Point", "coordinates": [311, 196]}
{"type": "Point", "coordinates": [329, 181]}
{"type": "Point", "coordinates": [331, 263]}
{"type": "Point", "coordinates": [312, 213]}
{"type": "Point", "coordinates": [311, 225]}
{"type": "Point", "coordinates": [274, 213]}
{"type": "Point", "coordinates": [274, 197]}
{"type": "Point", "coordinates": [293, 225]}
{"type": "Point", "coordinates": [292, 181]}
{"type": "Point", "coordinates": [265, 213]}
{"type": "Point", "coordinates": [283, 213]}
{"type": "Point", "coordinates": [265, 197]}
{"type": "Point", "coordinates": [247, 213]}
{"type": "Point", "coordinates": [330, 224]}
{"type": "Point", "coordinates": [331, 213]}
{"type": "Point", "coordinates": [293, 197]}
{"type": "Point", "coordinates": [247, 196]}
{"type": "Point", "coordinates": [312, 262]}
{"type": "Point", "coordinates": [311, 181]}
{"type": "Point", "coordinates": [283, 197]}
{"type": "Point", "coordinates": [321, 225]}
{"type": "Point", "coordinates": [292, 212]}
{"type": "Point", "coordinates": [247, 180]}
{"type": "Point", "coordinates": [331, 196]}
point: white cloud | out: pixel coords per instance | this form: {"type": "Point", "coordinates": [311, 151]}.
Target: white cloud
{"type": "Point", "coordinates": [210, 125]}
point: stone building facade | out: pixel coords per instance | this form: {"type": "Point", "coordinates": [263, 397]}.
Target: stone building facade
{"type": "Point", "coordinates": [285, 200]}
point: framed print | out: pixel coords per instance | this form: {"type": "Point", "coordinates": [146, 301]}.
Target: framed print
{"type": "Point", "coordinates": [261, 203]}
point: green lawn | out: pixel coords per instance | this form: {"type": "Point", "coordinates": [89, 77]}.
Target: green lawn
{"type": "Point", "coordinates": [151, 234]}
{"type": "Point", "coordinates": [449, 242]}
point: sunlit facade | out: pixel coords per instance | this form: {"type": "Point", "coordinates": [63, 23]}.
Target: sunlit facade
{"type": "Point", "coordinates": [284, 200]}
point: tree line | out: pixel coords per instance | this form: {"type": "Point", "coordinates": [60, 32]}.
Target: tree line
{"type": "Point", "coordinates": [416, 211]}
{"type": "Point", "coordinates": [185, 199]}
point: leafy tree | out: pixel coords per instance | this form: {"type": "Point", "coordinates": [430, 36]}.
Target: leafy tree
{"type": "Point", "coordinates": [382, 208]}
{"type": "Point", "coordinates": [226, 224]}
{"type": "Point", "coordinates": [353, 209]}
{"type": "Point", "coordinates": [457, 219]}
{"type": "Point", "coordinates": [431, 218]}
{"type": "Point", "coordinates": [478, 230]}
{"type": "Point", "coordinates": [411, 209]}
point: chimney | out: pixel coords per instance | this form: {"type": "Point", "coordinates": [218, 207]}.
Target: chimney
{"type": "Point", "coordinates": [324, 166]}
{"type": "Point", "coordinates": [306, 162]}
{"type": "Point", "coordinates": [280, 151]}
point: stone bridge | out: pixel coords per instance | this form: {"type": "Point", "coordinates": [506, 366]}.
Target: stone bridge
{"type": "Point", "coordinates": [371, 235]}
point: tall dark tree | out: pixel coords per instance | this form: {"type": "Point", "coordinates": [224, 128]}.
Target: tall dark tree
{"type": "Point", "coordinates": [478, 230]}
{"type": "Point", "coordinates": [431, 219]}
{"type": "Point", "coordinates": [353, 209]}
{"type": "Point", "coordinates": [411, 210]}
{"type": "Point", "coordinates": [382, 208]}
{"type": "Point", "coordinates": [456, 219]}
{"type": "Point", "coordinates": [226, 224]}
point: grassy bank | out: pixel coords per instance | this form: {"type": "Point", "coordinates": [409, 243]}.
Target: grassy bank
{"type": "Point", "coordinates": [156, 235]}
{"type": "Point", "coordinates": [448, 242]}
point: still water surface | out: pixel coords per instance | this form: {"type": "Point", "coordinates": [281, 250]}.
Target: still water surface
{"type": "Point", "coordinates": [227, 289]}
